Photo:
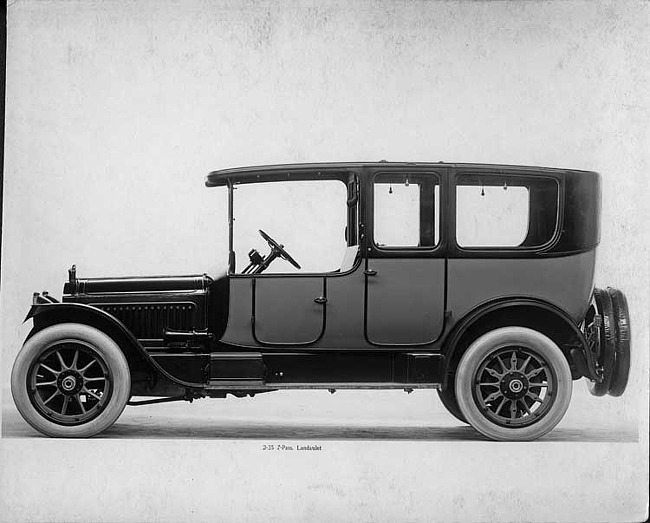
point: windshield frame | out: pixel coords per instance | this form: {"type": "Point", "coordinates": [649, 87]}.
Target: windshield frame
{"type": "Point", "coordinates": [349, 177]}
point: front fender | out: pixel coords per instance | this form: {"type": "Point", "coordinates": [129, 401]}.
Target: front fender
{"type": "Point", "coordinates": [50, 313]}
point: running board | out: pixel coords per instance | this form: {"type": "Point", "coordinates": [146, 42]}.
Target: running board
{"type": "Point", "coordinates": [335, 386]}
{"type": "Point", "coordinates": [324, 370]}
{"type": "Point", "coordinates": [262, 385]}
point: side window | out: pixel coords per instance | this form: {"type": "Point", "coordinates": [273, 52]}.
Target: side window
{"type": "Point", "coordinates": [307, 217]}
{"type": "Point", "coordinates": [505, 211]}
{"type": "Point", "coordinates": [406, 210]}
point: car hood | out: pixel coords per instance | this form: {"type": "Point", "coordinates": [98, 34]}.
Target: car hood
{"type": "Point", "coordinates": [136, 284]}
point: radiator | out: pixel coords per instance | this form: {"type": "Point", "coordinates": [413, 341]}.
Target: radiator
{"type": "Point", "coordinates": [147, 320]}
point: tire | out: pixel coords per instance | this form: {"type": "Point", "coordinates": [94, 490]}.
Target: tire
{"type": "Point", "coordinates": [448, 399]}
{"type": "Point", "coordinates": [495, 388]}
{"type": "Point", "coordinates": [70, 380]}
{"type": "Point", "coordinates": [607, 356]}
{"type": "Point", "coordinates": [621, 370]}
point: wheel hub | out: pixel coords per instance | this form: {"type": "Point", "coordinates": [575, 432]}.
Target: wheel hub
{"type": "Point", "coordinates": [514, 385]}
{"type": "Point", "coordinates": [69, 382]}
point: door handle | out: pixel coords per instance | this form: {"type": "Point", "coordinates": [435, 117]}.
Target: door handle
{"type": "Point", "coordinates": [320, 300]}
{"type": "Point", "coordinates": [370, 272]}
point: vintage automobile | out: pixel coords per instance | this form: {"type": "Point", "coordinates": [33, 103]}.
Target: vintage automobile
{"type": "Point", "coordinates": [475, 280]}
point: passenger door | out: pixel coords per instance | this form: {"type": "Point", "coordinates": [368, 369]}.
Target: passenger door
{"type": "Point", "coordinates": [405, 271]}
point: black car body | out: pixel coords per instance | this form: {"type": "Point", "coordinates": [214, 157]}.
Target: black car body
{"type": "Point", "coordinates": [499, 329]}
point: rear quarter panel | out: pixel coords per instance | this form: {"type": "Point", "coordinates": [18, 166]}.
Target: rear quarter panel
{"type": "Point", "coordinates": [565, 281]}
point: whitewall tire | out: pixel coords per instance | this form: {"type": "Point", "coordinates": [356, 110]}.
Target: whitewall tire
{"type": "Point", "coordinates": [70, 380]}
{"type": "Point", "coordinates": [513, 384]}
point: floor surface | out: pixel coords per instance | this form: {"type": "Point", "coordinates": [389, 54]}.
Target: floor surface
{"type": "Point", "coordinates": [316, 414]}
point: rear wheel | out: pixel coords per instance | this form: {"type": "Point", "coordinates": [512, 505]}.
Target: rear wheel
{"type": "Point", "coordinates": [513, 384]}
{"type": "Point", "coordinates": [70, 380]}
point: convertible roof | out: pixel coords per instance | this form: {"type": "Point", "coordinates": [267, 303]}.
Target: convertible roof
{"type": "Point", "coordinates": [270, 173]}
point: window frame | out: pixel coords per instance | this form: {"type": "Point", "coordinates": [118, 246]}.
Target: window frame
{"type": "Point", "coordinates": [376, 251]}
{"type": "Point", "coordinates": [346, 177]}
{"type": "Point", "coordinates": [505, 250]}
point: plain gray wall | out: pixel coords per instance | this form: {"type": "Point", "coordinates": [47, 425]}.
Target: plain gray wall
{"type": "Point", "coordinates": [117, 110]}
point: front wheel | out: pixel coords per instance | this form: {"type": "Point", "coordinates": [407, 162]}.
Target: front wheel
{"type": "Point", "coordinates": [513, 384]}
{"type": "Point", "coordinates": [70, 380]}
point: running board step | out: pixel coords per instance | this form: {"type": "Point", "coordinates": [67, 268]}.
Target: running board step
{"type": "Point", "coordinates": [238, 385]}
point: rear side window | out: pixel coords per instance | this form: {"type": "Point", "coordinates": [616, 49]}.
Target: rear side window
{"type": "Point", "coordinates": [495, 211]}
{"type": "Point", "coordinates": [406, 211]}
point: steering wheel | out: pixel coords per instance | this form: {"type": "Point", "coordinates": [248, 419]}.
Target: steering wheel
{"type": "Point", "coordinates": [275, 246]}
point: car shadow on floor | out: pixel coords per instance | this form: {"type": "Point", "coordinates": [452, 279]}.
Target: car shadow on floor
{"type": "Point", "coordinates": [153, 427]}
{"type": "Point", "coordinates": [299, 431]}
{"type": "Point", "coordinates": [303, 431]}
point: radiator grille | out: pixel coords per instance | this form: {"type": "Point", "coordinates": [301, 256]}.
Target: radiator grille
{"type": "Point", "coordinates": [147, 320]}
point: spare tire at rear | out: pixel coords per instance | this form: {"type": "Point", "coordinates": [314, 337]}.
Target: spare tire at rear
{"type": "Point", "coordinates": [621, 368]}
{"type": "Point", "coordinates": [606, 355]}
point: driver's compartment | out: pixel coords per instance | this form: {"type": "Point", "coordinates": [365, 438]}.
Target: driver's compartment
{"type": "Point", "coordinates": [301, 274]}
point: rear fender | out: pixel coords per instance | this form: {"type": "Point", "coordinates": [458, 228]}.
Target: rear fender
{"type": "Point", "coordinates": [525, 312]}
